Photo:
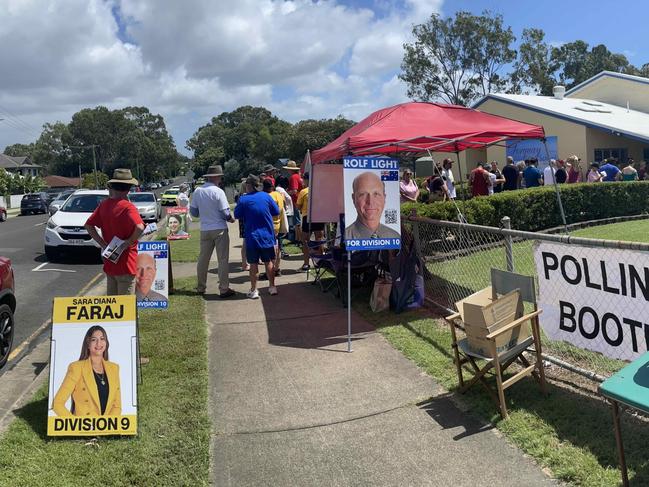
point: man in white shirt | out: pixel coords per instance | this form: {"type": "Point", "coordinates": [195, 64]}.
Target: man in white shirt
{"type": "Point", "coordinates": [447, 174]}
{"type": "Point", "coordinates": [548, 172]}
{"type": "Point", "coordinates": [211, 205]}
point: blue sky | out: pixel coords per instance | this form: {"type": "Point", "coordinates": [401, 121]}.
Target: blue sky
{"type": "Point", "coordinates": [192, 60]}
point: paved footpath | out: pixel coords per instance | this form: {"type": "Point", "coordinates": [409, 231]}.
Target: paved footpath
{"type": "Point", "coordinates": [290, 406]}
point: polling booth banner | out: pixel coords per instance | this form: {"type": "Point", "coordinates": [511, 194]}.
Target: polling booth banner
{"type": "Point", "coordinates": [596, 299]}
{"type": "Point", "coordinates": [523, 149]}
{"type": "Point", "coordinates": [372, 209]}
{"type": "Point", "coordinates": [177, 223]}
{"type": "Point", "coordinates": [152, 278]}
{"type": "Point", "coordinates": [93, 367]}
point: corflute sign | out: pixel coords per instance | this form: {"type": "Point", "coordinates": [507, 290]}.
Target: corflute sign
{"type": "Point", "coordinates": [596, 299]}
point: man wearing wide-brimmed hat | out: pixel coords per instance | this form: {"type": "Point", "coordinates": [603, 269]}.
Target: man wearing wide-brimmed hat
{"type": "Point", "coordinates": [269, 172]}
{"type": "Point", "coordinates": [117, 217]}
{"type": "Point", "coordinates": [211, 205]}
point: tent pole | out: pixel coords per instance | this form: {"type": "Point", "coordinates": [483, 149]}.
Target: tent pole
{"type": "Point", "coordinates": [349, 300]}
{"type": "Point", "coordinates": [556, 189]}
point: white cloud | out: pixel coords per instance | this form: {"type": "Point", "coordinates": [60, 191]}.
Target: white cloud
{"type": "Point", "coordinates": [194, 59]}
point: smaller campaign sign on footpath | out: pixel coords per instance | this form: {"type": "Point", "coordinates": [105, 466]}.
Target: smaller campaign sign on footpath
{"type": "Point", "coordinates": [93, 367]}
{"type": "Point", "coordinates": [152, 278]}
{"type": "Point", "coordinates": [177, 223]}
{"type": "Point", "coordinates": [594, 300]}
{"type": "Point", "coordinates": [372, 207]}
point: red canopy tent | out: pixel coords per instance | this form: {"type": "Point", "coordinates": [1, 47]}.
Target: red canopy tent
{"type": "Point", "coordinates": [423, 126]}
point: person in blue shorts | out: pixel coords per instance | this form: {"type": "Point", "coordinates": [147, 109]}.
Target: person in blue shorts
{"type": "Point", "coordinates": [257, 210]}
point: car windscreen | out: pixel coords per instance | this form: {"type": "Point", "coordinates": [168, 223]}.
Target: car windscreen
{"type": "Point", "coordinates": [83, 203]}
{"type": "Point", "coordinates": [141, 197]}
{"type": "Point", "coordinates": [32, 197]}
{"type": "Point", "coordinates": [62, 197]}
{"type": "Point", "coordinates": [171, 192]}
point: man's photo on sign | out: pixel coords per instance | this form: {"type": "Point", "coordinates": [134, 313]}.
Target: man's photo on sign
{"type": "Point", "coordinates": [147, 279]}
{"type": "Point", "coordinates": [375, 214]}
{"type": "Point", "coordinates": [92, 382]}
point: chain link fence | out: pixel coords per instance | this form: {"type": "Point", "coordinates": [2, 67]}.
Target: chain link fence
{"type": "Point", "coordinates": [458, 259]}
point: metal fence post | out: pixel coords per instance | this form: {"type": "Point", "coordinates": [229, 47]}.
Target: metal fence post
{"type": "Point", "coordinates": [415, 235]}
{"type": "Point", "coordinates": [509, 249]}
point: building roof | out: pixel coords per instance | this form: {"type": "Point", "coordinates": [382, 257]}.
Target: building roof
{"type": "Point", "coordinates": [608, 74]}
{"type": "Point", "coordinates": [591, 113]}
{"type": "Point", "coordinates": [61, 182]}
{"type": "Point", "coordinates": [10, 162]}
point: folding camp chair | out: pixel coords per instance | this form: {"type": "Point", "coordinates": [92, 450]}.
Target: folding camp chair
{"type": "Point", "coordinates": [502, 283]}
{"type": "Point", "coordinates": [321, 263]}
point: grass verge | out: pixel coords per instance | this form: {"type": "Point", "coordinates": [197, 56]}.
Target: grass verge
{"type": "Point", "coordinates": [568, 432]}
{"type": "Point", "coordinates": [172, 446]}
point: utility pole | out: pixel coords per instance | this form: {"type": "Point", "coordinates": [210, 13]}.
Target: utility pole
{"type": "Point", "coordinates": [94, 163]}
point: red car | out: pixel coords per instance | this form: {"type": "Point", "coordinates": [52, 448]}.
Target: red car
{"type": "Point", "coordinates": [3, 214]}
{"type": "Point", "coordinates": [7, 309]}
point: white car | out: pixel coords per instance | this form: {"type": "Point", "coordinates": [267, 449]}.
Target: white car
{"type": "Point", "coordinates": [65, 229]}
{"type": "Point", "coordinates": [147, 205]}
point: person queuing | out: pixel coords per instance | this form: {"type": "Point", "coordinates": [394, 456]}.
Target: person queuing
{"type": "Point", "coordinates": [295, 185]}
{"type": "Point", "coordinates": [211, 205]}
{"type": "Point", "coordinates": [257, 210]}
{"type": "Point", "coordinates": [497, 179]}
{"type": "Point", "coordinates": [610, 171]}
{"type": "Point", "coordinates": [574, 169]}
{"type": "Point", "coordinates": [594, 175]}
{"type": "Point", "coordinates": [480, 181]}
{"type": "Point", "coordinates": [532, 176]}
{"type": "Point", "coordinates": [561, 174]}
{"type": "Point", "coordinates": [280, 187]}
{"type": "Point", "coordinates": [117, 217]}
{"type": "Point", "coordinates": [449, 179]}
{"type": "Point", "coordinates": [307, 228]}
{"type": "Point", "coordinates": [436, 186]}
{"type": "Point", "coordinates": [242, 233]}
{"type": "Point", "coordinates": [549, 171]}
{"type": "Point", "coordinates": [511, 175]}
{"type": "Point", "coordinates": [629, 173]}
{"type": "Point", "coordinates": [268, 187]}
{"type": "Point", "coordinates": [408, 188]}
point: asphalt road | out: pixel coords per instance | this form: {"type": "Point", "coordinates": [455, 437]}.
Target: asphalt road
{"type": "Point", "coordinates": [39, 281]}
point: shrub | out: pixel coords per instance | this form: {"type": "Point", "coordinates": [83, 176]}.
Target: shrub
{"type": "Point", "coordinates": [537, 209]}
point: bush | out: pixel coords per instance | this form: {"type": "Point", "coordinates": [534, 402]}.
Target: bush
{"type": "Point", "coordinates": [537, 209]}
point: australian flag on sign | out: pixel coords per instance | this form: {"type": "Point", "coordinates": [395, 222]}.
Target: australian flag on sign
{"type": "Point", "coordinates": [389, 175]}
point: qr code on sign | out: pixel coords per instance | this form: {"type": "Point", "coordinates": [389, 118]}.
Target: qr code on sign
{"type": "Point", "coordinates": [391, 217]}
{"type": "Point", "coordinates": [159, 284]}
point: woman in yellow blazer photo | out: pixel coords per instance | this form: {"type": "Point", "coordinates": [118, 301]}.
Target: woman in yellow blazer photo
{"type": "Point", "coordinates": [92, 381]}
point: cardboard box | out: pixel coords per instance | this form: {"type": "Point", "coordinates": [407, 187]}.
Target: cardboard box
{"type": "Point", "coordinates": [483, 315]}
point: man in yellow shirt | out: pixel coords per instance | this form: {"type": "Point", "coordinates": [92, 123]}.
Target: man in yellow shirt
{"type": "Point", "coordinates": [307, 227]}
{"type": "Point", "coordinates": [269, 188]}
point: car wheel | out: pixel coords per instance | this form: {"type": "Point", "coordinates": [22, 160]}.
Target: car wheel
{"type": "Point", "coordinates": [51, 253]}
{"type": "Point", "coordinates": [6, 332]}
{"type": "Point", "coordinates": [3, 216]}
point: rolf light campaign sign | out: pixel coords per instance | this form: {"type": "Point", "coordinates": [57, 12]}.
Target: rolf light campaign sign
{"type": "Point", "coordinates": [372, 209]}
{"type": "Point", "coordinates": [596, 300]}
{"type": "Point", "coordinates": [152, 278]}
{"type": "Point", "coordinates": [93, 367]}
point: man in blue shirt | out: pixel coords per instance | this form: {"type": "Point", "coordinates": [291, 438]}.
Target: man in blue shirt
{"type": "Point", "coordinates": [257, 210]}
{"type": "Point", "coordinates": [533, 177]}
{"type": "Point", "coordinates": [613, 173]}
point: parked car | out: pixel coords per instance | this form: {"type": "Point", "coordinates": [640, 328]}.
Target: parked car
{"type": "Point", "coordinates": [169, 197]}
{"type": "Point", "coordinates": [3, 214]}
{"type": "Point", "coordinates": [34, 203]}
{"type": "Point", "coordinates": [7, 309]}
{"type": "Point", "coordinates": [147, 205]}
{"type": "Point", "coordinates": [155, 185]}
{"type": "Point", "coordinates": [59, 200]}
{"type": "Point", "coordinates": [65, 229]}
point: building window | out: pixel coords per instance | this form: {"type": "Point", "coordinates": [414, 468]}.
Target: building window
{"type": "Point", "coordinates": [645, 154]}
{"type": "Point", "coordinates": [621, 155]}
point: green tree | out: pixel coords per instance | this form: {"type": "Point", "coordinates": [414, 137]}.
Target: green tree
{"type": "Point", "coordinates": [314, 134]}
{"type": "Point", "coordinates": [535, 67]}
{"type": "Point", "coordinates": [19, 150]}
{"type": "Point", "coordinates": [94, 180]}
{"type": "Point", "coordinates": [457, 59]}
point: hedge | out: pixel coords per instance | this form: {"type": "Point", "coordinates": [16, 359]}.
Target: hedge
{"type": "Point", "coordinates": [536, 209]}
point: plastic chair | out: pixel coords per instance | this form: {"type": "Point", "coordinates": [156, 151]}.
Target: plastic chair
{"type": "Point", "coordinates": [321, 263]}
{"type": "Point", "coordinates": [502, 283]}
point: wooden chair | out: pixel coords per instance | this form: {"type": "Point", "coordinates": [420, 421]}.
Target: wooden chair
{"type": "Point", "coordinates": [502, 283]}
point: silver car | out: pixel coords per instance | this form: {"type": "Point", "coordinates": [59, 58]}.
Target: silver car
{"type": "Point", "coordinates": [59, 200]}
{"type": "Point", "coordinates": [147, 205]}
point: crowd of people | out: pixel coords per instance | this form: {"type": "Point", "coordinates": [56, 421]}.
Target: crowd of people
{"type": "Point", "coordinates": [488, 179]}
